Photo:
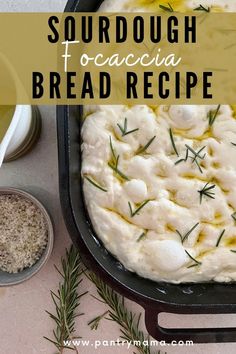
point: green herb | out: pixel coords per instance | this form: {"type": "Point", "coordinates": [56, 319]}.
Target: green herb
{"type": "Point", "coordinates": [233, 144]}
{"type": "Point", "coordinates": [142, 236]}
{"type": "Point", "coordinates": [212, 115]}
{"type": "Point", "coordinates": [234, 216]}
{"type": "Point", "coordinates": [114, 157]}
{"type": "Point", "coordinates": [128, 321]}
{"type": "Point", "coordinates": [183, 160]}
{"type": "Point", "coordinates": [66, 300]}
{"type": "Point", "coordinates": [202, 8]}
{"type": "Point", "coordinates": [234, 251]}
{"type": "Point", "coordinates": [173, 142]}
{"type": "Point", "coordinates": [117, 171]}
{"type": "Point", "coordinates": [141, 206]}
{"type": "Point", "coordinates": [196, 155]}
{"type": "Point", "coordinates": [144, 148]}
{"type": "Point", "coordinates": [96, 321]}
{"type": "Point", "coordinates": [207, 191]}
{"type": "Point", "coordinates": [115, 162]}
{"type": "Point", "coordinates": [124, 130]}
{"type": "Point", "coordinates": [185, 237]}
{"type": "Point", "coordinates": [95, 184]}
{"type": "Point", "coordinates": [168, 8]}
{"type": "Point", "coordinates": [220, 237]}
{"type": "Point", "coordinates": [193, 259]}
{"type": "Point", "coordinates": [193, 265]}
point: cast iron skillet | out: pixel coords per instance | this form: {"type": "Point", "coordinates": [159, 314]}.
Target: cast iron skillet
{"type": "Point", "coordinates": [204, 298]}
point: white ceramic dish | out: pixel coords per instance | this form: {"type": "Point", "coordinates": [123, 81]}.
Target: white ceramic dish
{"type": "Point", "coordinates": [22, 128]}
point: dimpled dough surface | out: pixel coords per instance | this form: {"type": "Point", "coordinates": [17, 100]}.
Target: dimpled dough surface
{"type": "Point", "coordinates": [146, 208]}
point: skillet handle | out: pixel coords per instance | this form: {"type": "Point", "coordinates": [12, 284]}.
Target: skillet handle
{"type": "Point", "coordinates": [196, 335]}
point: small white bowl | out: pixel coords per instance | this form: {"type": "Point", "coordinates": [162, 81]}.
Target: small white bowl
{"type": "Point", "coordinates": [22, 128]}
{"type": "Point", "coordinates": [26, 132]}
{"type": "Point", "coordinates": [8, 279]}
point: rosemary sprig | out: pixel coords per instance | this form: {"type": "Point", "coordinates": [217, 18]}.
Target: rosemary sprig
{"type": "Point", "coordinates": [220, 237]}
{"type": "Point", "coordinates": [196, 155]}
{"type": "Point", "coordinates": [143, 149]}
{"type": "Point", "coordinates": [193, 259]}
{"type": "Point", "coordinates": [234, 251]}
{"type": "Point", "coordinates": [168, 8]}
{"type": "Point", "coordinates": [207, 191]}
{"type": "Point", "coordinates": [124, 130]}
{"type": "Point", "coordinates": [212, 115]}
{"type": "Point", "coordinates": [142, 236]}
{"type": "Point", "coordinates": [234, 216]}
{"type": "Point", "coordinates": [115, 161]}
{"type": "Point", "coordinates": [234, 144]}
{"type": "Point", "coordinates": [66, 300]}
{"type": "Point", "coordinates": [95, 184]}
{"type": "Point", "coordinates": [202, 8]}
{"type": "Point", "coordinates": [127, 320]}
{"type": "Point", "coordinates": [141, 206]}
{"type": "Point", "coordinates": [185, 237]}
{"type": "Point", "coordinates": [173, 142]}
{"type": "Point", "coordinates": [96, 321]}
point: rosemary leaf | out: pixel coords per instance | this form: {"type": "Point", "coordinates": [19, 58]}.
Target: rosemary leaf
{"type": "Point", "coordinates": [234, 216]}
{"type": "Point", "coordinates": [112, 149]}
{"type": "Point", "coordinates": [234, 251]}
{"type": "Point", "coordinates": [116, 170]}
{"type": "Point", "coordinates": [131, 131]}
{"type": "Point", "coordinates": [212, 115]}
{"type": "Point", "coordinates": [124, 130]}
{"type": "Point", "coordinates": [115, 162]}
{"type": "Point", "coordinates": [173, 142]}
{"type": "Point", "coordinates": [126, 124]}
{"type": "Point", "coordinates": [190, 149]}
{"type": "Point", "coordinates": [66, 300]}
{"type": "Point", "coordinates": [127, 320]}
{"type": "Point", "coordinates": [168, 8]}
{"type": "Point", "coordinates": [220, 237]}
{"type": "Point", "coordinates": [193, 259]}
{"type": "Point", "coordinates": [121, 129]}
{"type": "Point", "coordinates": [199, 167]}
{"type": "Point", "coordinates": [206, 191]}
{"type": "Point", "coordinates": [144, 148]}
{"type": "Point", "coordinates": [185, 237]}
{"type": "Point", "coordinates": [234, 144]}
{"type": "Point", "coordinates": [196, 155]}
{"type": "Point", "coordinates": [193, 265]}
{"type": "Point", "coordinates": [135, 212]}
{"type": "Point", "coordinates": [180, 235]}
{"type": "Point", "coordinates": [95, 184]}
{"type": "Point", "coordinates": [142, 236]}
{"type": "Point", "coordinates": [202, 8]}
{"type": "Point", "coordinates": [179, 161]}
{"type": "Point", "coordinates": [55, 343]}
{"type": "Point", "coordinates": [96, 321]}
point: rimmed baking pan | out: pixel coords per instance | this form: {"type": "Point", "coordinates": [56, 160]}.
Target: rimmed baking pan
{"type": "Point", "coordinates": [155, 298]}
